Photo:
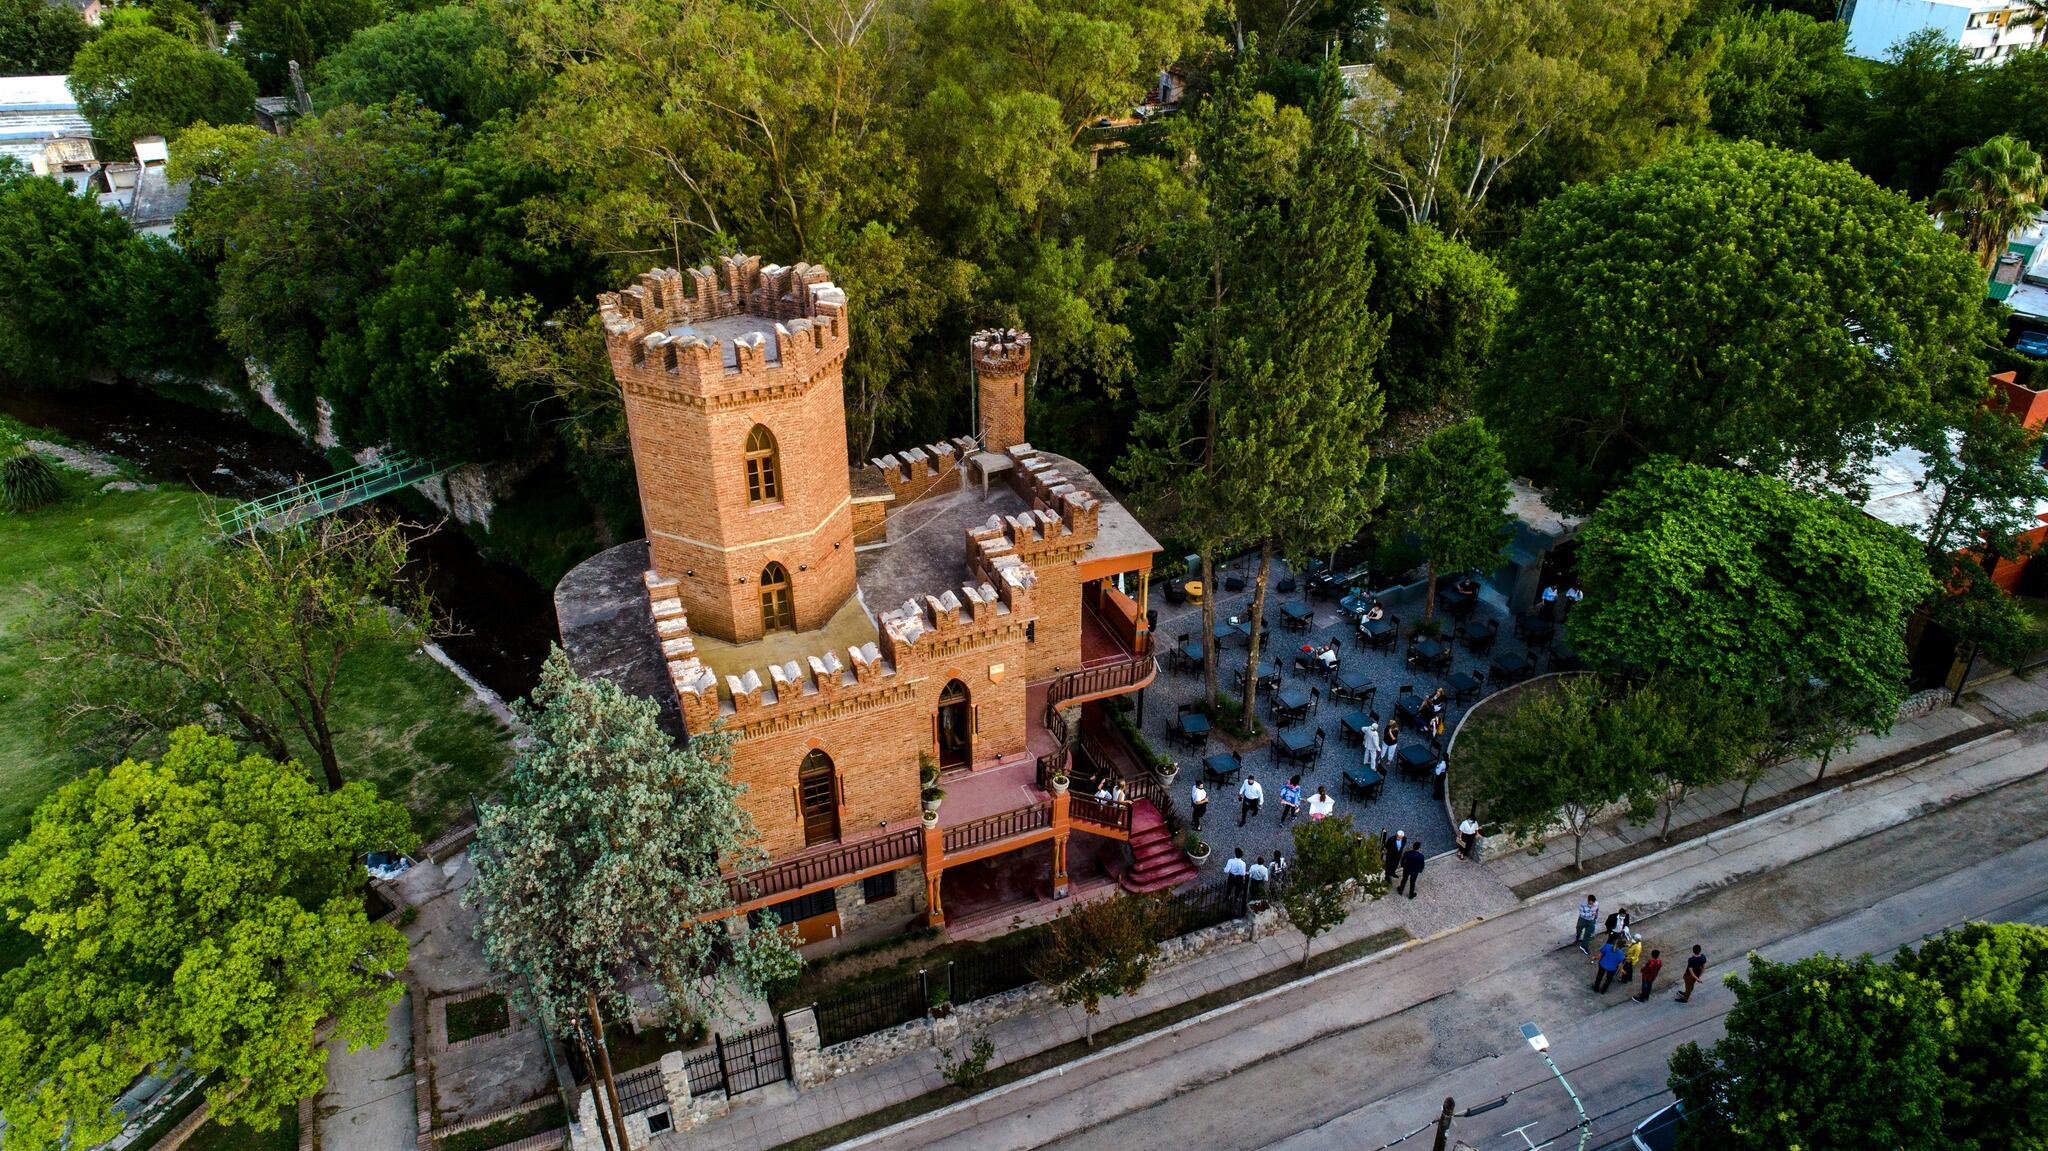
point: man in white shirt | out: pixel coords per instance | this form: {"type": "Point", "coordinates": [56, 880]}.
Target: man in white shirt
{"type": "Point", "coordinates": [1249, 796]}
{"type": "Point", "coordinates": [1198, 806]}
{"type": "Point", "coordinates": [1234, 871]}
{"type": "Point", "coordinates": [1375, 744]}
{"type": "Point", "coordinates": [1258, 874]}
{"type": "Point", "coordinates": [1468, 838]}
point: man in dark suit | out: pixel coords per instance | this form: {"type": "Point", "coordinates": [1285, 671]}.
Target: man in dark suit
{"type": "Point", "coordinates": [1411, 867]}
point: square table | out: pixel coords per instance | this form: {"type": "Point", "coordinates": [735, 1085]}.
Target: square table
{"type": "Point", "coordinates": [1428, 650]}
{"type": "Point", "coordinates": [1227, 631]}
{"type": "Point", "coordinates": [1194, 725]}
{"type": "Point", "coordinates": [1353, 726]}
{"type": "Point", "coordinates": [1291, 698]}
{"type": "Point", "coordinates": [1191, 652]}
{"type": "Point", "coordinates": [1296, 744]}
{"type": "Point", "coordinates": [1416, 758]}
{"type": "Point", "coordinates": [1463, 684]}
{"type": "Point", "coordinates": [1221, 768]}
{"type": "Point", "coordinates": [1514, 663]}
{"type": "Point", "coordinates": [1354, 682]}
{"type": "Point", "coordinates": [1296, 615]}
{"type": "Point", "coordinates": [1537, 628]}
{"type": "Point", "coordinates": [1364, 780]}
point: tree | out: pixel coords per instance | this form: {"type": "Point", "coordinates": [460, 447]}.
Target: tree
{"type": "Point", "coordinates": [38, 38]}
{"type": "Point", "coordinates": [1444, 300]}
{"type": "Point", "coordinates": [1333, 866]}
{"type": "Point", "coordinates": [1099, 950]}
{"type": "Point", "coordinates": [257, 631]}
{"type": "Point", "coordinates": [142, 81]}
{"type": "Point", "coordinates": [203, 909]}
{"type": "Point", "coordinates": [1995, 1064]}
{"type": "Point", "coordinates": [1751, 587]}
{"type": "Point", "coordinates": [1737, 306]}
{"type": "Point", "coordinates": [1778, 76]}
{"type": "Point", "coordinates": [1990, 192]}
{"type": "Point", "coordinates": [1688, 735]}
{"type": "Point", "coordinates": [275, 33]}
{"type": "Point", "coordinates": [1987, 482]}
{"type": "Point", "coordinates": [1554, 757]}
{"type": "Point", "coordinates": [1451, 492]}
{"type": "Point", "coordinates": [601, 869]}
{"type": "Point", "coordinates": [1821, 1053]}
{"type": "Point", "coordinates": [456, 60]}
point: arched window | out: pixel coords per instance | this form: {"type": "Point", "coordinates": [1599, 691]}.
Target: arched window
{"type": "Point", "coordinates": [778, 610]}
{"type": "Point", "coordinates": [955, 726]}
{"type": "Point", "coordinates": [817, 796]}
{"type": "Point", "coordinates": [764, 477]}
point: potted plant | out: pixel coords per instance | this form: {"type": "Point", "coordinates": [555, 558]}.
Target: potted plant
{"type": "Point", "coordinates": [932, 798]}
{"type": "Point", "coordinates": [1166, 769]}
{"type": "Point", "coordinates": [931, 819]}
{"type": "Point", "coordinates": [940, 1002]}
{"type": "Point", "coordinates": [1193, 845]}
{"type": "Point", "coordinates": [1059, 782]}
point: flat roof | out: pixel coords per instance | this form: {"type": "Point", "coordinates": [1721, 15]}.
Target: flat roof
{"type": "Point", "coordinates": [1118, 532]}
{"type": "Point", "coordinates": [927, 549]}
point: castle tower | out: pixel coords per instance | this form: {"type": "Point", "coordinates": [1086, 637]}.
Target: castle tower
{"type": "Point", "coordinates": [1001, 358]}
{"type": "Point", "coordinates": [738, 422]}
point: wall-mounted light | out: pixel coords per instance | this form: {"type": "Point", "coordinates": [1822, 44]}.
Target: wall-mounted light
{"type": "Point", "coordinates": [803, 567]}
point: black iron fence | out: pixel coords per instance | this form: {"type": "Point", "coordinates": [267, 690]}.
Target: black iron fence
{"type": "Point", "coordinates": [734, 1065]}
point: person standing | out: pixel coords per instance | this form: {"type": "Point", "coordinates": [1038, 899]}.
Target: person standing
{"type": "Point", "coordinates": [1257, 876]}
{"type": "Point", "coordinates": [1390, 849]}
{"type": "Point", "coordinates": [1610, 962]}
{"type": "Point", "coordinates": [1695, 970]}
{"type": "Point", "coordinates": [1198, 806]}
{"type": "Point", "coordinates": [1279, 867]}
{"type": "Point", "coordinates": [1589, 922]}
{"type": "Point", "coordinates": [1373, 743]}
{"type": "Point", "coordinates": [1468, 838]}
{"type": "Point", "coordinates": [1290, 800]}
{"type": "Point", "coordinates": [1249, 796]}
{"type": "Point", "coordinates": [1234, 873]}
{"type": "Point", "coordinates": [1630, 953]}
{"type": "Point", "coordinates": [1321, 804]}
{"type": "Point", "coordinates": [1654, 965]}
{"type": "Point", "coordinates": [1411, 866]}
{"type": "Point", "coordinates": [1549, 601]}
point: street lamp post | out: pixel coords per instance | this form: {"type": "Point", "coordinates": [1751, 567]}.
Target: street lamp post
{"type": "Point", "coordinates": [1541, 1046]}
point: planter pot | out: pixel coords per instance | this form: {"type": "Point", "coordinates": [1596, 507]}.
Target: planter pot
{"type": "Point", "coordinates": [1199, 856]}
{"type": "Point", "coordinates": [1167, 773]}
{"type": "Point", "coordinates": [1059, 784]}
{"type": "Point", "coordinates": [931, 819]}
{"type": "Point", "coordinates": [932, 805]}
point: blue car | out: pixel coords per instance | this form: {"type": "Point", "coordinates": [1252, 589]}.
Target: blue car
{"type": "Point", "coordinates": [2032, 343]}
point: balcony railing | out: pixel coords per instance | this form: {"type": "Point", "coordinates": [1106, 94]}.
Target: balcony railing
{"type": "Point", "coordinates": [1094, 812]}
{"type": "Point", "coordinates": [1103, 680]}
{"type": "Point", "coordinates": [846, 859]}
{"type": "Point", "coordinates": [1001, 825]}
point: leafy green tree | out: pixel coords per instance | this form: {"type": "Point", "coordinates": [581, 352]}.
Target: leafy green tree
{"type": "Point", "coordinates": [1990, 192]}
{"type": "Point", "coordinates": [1099, 950]}
{"type": "Point", "coordinates": [38, 38]}
{"type": "Point", "coordinates": [1986, 479]}
{"type": "Point", "coordinates": [257, 631]}
{"type": "Point", "coordinates": [1738, 306]}
{"type": "Point", "coordinates": [1908, 119]}
{"type": "Point", "coordinates": [204, 909]}
{"type": "Point", "coordinates": [1749, 586]}
{"type": "Point", "coordinates": [1451, 492]}
{"type": "Point", "coordinates": [141, 81]}
{"type": "Point", "coordinates": [1333, 867]}
{"type": "Point", "coordinates": [277, 32]}
{"type": "Point", "coordinates": [600, 870]}
{"type": "Point", "coordinates": [1444, 301]}
{"type": "Point", "coordinates": [1995, 1061]}
{"type": "Point", "coordinates": [1823, 1053]}
{"type": "Point", "coordinates": [1556, 758]}
{"type": "Point", "coordinates": [1689, 735]}
{"type": "Point", "coordinates": [455, 59]}
{"type": "Point", "coordinates": [1779, 75]}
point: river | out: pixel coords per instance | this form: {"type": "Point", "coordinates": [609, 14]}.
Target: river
{"type": "Point", "coordinates": [504, 618]}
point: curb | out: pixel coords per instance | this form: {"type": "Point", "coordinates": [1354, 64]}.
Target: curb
{"type": "Point", "coordinates": [905, 1126]}
{"type": "Point", "coordinates": [1775, 813]}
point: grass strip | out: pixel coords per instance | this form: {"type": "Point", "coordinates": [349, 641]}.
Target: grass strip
{"type": "Point", "coordinates": [1106, 1037]}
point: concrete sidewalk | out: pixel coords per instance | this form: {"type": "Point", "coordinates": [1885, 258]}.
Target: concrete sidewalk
{"type": "Point", "coordinates": [1456, 895]}
{"type": "Point", "coordinates": [1046, 1107]}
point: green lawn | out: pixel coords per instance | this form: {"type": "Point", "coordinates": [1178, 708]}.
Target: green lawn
{"type": "Point", "coordinates": [402, 721]}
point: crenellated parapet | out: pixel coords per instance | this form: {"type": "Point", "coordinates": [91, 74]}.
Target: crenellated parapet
{"type": "Point", "coordinates": [945, 625]}
{"type": "Point", "coordinates": [919, 471]}
{"type": "Point", "coordinates": [1040, 481]}
{"type": "Point", "coordinates": [736, 331]}
{"type": "Point", "coordinates": [1002, 358]}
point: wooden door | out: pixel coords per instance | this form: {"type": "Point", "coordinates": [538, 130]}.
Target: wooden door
{"type": "Point", "coordinates": [817, 790]}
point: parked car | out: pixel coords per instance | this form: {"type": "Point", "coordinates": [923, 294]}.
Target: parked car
{"type": "Point", "coordinates": [1660, 1131]}
{"type": "Point", "coordinates": [2032, 342]}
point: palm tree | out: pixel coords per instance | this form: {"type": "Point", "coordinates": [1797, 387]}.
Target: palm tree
{"type": "Point", "coordinates": [1989, 191]}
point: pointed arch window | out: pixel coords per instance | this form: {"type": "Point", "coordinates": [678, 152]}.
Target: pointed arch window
{"type": "Point", "coordinates": [764, 472]}
{"type": "Point", "coordinates": [778, 610]}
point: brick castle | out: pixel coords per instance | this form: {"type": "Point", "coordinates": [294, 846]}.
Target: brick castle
{"type": "Point", "coordinates": [969, 605]}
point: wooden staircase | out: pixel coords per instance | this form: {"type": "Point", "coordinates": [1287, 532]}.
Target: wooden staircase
{"type": "Point", "coordinates": [1157, 862]}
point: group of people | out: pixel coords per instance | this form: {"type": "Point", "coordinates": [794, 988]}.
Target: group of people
{"type": "Point", "coordinates": [1248, 882]}
{"type": "Point", "coordinates": [1251, 796]}
{"type": "Point", "coordinates": [1621, 954]}
{"type": "Point", "coordinates": [1403, 860]}
{"type": "Point", "coordinates": [1550, 597]}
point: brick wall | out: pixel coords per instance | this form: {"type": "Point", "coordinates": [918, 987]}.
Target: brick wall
{"type": "Point", "coordinates": [916, 472]}
{"type": "Point", "coordinates": [1002, 357]}
{"type": "Point", "coordinates": [689, 415]}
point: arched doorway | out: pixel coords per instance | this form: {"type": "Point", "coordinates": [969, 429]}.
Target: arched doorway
{"type": "Point", "coordinates": [956, 726]}
{"type": "Point", "coordinates": [778, 610]}
{"type": "Point", "coordinates": [817, 791]}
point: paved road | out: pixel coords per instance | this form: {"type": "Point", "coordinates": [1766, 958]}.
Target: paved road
{"type": "Point", "coordinates": [1364, 1088]}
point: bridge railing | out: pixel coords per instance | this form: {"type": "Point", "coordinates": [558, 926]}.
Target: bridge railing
{"type": "Point", "coordinates": [316, 498]}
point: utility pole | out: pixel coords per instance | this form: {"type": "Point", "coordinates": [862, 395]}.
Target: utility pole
{"type": "Point", "coordinates": [1443, 1123]}
{"type": "Point", "coordinates": [1541, 1045]}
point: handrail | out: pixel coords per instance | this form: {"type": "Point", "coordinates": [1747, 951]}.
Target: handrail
{"type": "Point", "coordinates": [1107, 677]}
{"type": "Point", "coordinates": [327, 494]}
{"type": "Point", "coordinates": [1002, 825]}
{"type": "Point", "coordinates": [806, 870]}
{"type": "Point", "coordinates": [1099, 812]}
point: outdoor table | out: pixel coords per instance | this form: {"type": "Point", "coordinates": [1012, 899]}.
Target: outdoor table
{"type": "Point", "coordinates": [1464, 683]}
{"type": "Point", "coordinates": [1454, 601]}
{"type": "Point", "coordinates": [1428, 650]}
{"type": "Point", "coordinates": [1537, 629]}
{"type": "Point", "coordinates": [1364, 780]}
{"type": "Point", "coordinates": [1296, 614]}
{"type": "Point", "coordinates": [1378, 631]}
{"type": "Point", "coordinates": [1221, 767]}
{"type": "Point", "coordinates": [1295, 744]}
{"type": "Point", "coordinates": [1291, 699]}
{"type": "Point", "coordinates": [1353, 683]}
{"type": "Point", "coordinates": [1515, 664]}
{"type": "Point", "coordinates": [1191, 651]}
{"type": "Point", "coordinates": [1194, 725]}
{"type": "Point", "coordinates": [1406, 705]}
{"type": "Point", "coordinates": [1416, 758]}
{"type": "Point", "coordinates": [1477, 629]}
{"type": "Point", "coordinates": [1353, 726]}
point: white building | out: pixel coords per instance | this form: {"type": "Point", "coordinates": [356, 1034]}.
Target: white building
{"type": "Point", "coordinates": [36, 111]}
{"type": "Point", "coordinates": [1986, 29]}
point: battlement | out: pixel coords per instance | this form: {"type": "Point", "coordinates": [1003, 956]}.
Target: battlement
{"type": "Point", "coordinates": [1040, 481]}
{"type": "Point", "coordinates": [1001, 351]}
{"type": "Point", "coordinates": [742, 324]}
{"type": "Point", "coordinates": [916, 472]}
{"type": "Point", "coordinates": [948, 621]}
